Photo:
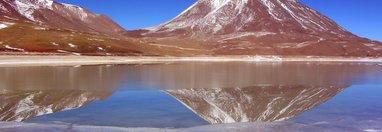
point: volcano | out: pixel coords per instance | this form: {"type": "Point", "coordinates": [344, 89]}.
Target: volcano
{"type": "Point", "coordinates": [267, 27]}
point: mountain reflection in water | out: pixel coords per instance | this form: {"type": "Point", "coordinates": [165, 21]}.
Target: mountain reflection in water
{"type": "Point", "coordinates": [26, 92]}
{"type": "Point", "coordinates": [217, 92]}
{"type": "Point", "coordinates": [254, 103]}
{"type": "Point", "coordinates": [22, 105]}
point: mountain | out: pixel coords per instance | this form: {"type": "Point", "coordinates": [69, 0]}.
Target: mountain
{"type": "Point", "coordinates": [270, 27]}
{"type": "Point", "coordinates": [58, 15]}
{"type": "Point", "coordinates": [254, 103]}
{"type": "Point", "coordinates": [49, 27]}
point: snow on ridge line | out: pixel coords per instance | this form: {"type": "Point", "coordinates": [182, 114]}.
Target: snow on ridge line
{"type": "Point", "coordinates": [28, 7]}
{"type": "Point", "coordinates": [39, 3]}
{"type": "Point", "coordinates": [77, 10]}
{"type": "Point", "coordinates": [49, 3]}
{"type": "Point", "coordinates": [156, 28]}
{"type": "Point", "coordinates": [217, 4]}
{"type": "Point", "coordinates": [25, 10]}
{"type": "Point", "coordinates": [217, 17]}
{"type": "Point", "coordinates": [68, 5]}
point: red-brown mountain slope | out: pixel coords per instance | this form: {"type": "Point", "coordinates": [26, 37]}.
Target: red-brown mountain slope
{"type": "Point", "coordinates": [272, 27]}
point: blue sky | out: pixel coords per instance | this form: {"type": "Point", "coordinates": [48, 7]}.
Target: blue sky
{"type": "Point", "coordinates": [361, 17]}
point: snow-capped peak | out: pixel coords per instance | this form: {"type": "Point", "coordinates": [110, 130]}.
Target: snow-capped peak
{"type": "Point", "coordinates": [36, 4]}
{"type": "Point", "coordinates": [216, 12]}
{"type": "Point", "coordinates": [28, 7]}
{"type": "Point", "coordinates": [216, 4]}
{"type": "Point", "coordinates": [207, 17]}
{"type": "Point", "coordinates": [60, 15]}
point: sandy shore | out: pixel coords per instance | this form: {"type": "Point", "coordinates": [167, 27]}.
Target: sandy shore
{"type": "Point", "coordinates": [40, 60]}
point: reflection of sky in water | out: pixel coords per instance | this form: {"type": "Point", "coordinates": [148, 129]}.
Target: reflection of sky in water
{"type": "Point", "coordinates": [359, 106]}
{"type": "Point", "coordinates": [131, 109]}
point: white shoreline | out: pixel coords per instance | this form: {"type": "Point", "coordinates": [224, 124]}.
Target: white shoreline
{"type": "Point", "coordinates": [13, 60]}
{"type": "Point", "coordinates": [232, 127]}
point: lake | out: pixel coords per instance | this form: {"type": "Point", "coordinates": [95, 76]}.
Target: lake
{"type": "Point", "coordinates": [301, 96]}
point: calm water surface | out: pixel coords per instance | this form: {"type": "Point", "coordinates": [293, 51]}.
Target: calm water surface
{"type": "Point", "coordinates": [343, 96]}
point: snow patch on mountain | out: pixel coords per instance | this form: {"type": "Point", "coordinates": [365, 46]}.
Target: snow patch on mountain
{"type": "Point", "coordinates": [71, 45]}
{"type": "Point", "coordinates": [38, 3]}
{"type": "Point", "coordinates": [13, 48]}
{"type": "Point", "coordinates": [79, 11]}
{"type": "Point", "coordinates": [296, 17]}
{"type": "Point", "coordinates": [2, 26]}
{"type": "Point", "coordinates": [54, 44]}
{"type": "Point", "coordinates": [11, 18]}
{"type": "Point", "coordinates": [40, 28]}
{"type": "Point", "coordinates": [68, 52]}
{"type": "Point", "coordinates": [271, 9]}
{"type": "Point", "coordinates": [216, 17]}
{"type": "Point", "coordinates": [217, 4]}
{"type": "Point", "coordinates": [245, 34]}
{"type": "Point", "coordinates": [2, 8]}
{"type": "Point", "coordinates": [224, 17]}
{"type": "Point", "coordinates": [25, 10]}
{"type": "Point", "coordinates": [28, 7]}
